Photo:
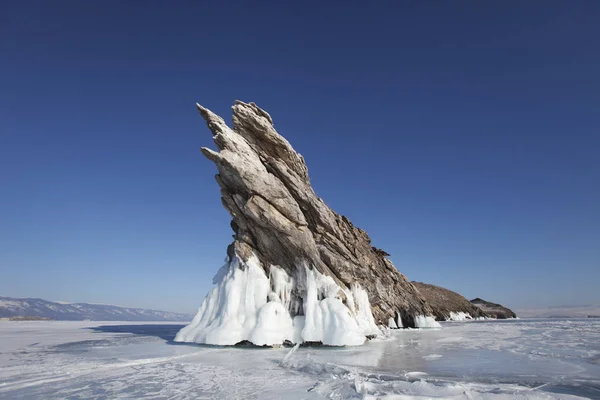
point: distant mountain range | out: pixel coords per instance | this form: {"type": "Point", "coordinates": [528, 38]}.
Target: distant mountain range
{"type": "Point", "coordinates": [583, 311]}
{"type": "Point", "coordinates": [61, 311]}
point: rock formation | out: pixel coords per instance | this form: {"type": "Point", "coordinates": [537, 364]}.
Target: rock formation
{"type": "Point", "coordinates": [313, 265]}
{"type": "Point", "coordinates": [493, 310]}
{"type": "Point", "coordinates": [448, 305]}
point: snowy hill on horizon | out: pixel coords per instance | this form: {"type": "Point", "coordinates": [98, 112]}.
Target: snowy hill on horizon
{"type": "Point", "coordinates": [582, 311]}
{"type": "Point", "coordinates": [62, 311]}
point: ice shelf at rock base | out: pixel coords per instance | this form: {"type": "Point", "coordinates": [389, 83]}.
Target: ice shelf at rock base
{"type": "Point", "coordinates": [395, 323]}
{"type": "Point", "coordinates": [463, 316]}
{"type": "Point", "coordinates": [248, 305]}
{"type": "Point", "coordinates": [459, 316]}
{"type": "Point", "coordinates": [423, 321]}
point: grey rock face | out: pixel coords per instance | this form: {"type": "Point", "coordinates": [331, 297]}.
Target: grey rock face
{"type": "Point", "coordinates": [277, 215]}
{"type": "Point", "coordinates": [444, 301]}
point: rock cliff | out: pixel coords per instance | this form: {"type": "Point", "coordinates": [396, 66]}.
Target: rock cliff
{"type": "Point", "coordinates": [284, 228]}
{"type": "Point", "coordinates": [493, 310]}
{"type": "Point", "coordinates": [448, 305]}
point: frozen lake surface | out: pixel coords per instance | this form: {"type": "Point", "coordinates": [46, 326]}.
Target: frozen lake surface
{"type": "Point", "coordinates": [545, 359]}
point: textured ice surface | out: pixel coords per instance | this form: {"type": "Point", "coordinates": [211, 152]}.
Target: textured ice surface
{"type": "Point", "coordinates": [516, 359]}
{"type": "Point", "coordinates": [246, 305]}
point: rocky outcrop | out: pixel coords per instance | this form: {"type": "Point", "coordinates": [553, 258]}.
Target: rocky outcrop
{"type": "Point", "coordinates": [493, 310]}
{"type": "Point", "coordinates": [446, 304]}
{"type": "Point", "coordinates": [278, 218]}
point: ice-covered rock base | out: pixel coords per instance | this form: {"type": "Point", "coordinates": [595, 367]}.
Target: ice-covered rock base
{"type": "Point", "coordinates": [248, 305]}
{"type": "Point", "coordinates": [459, 316]}
{"type": "Point", "coordinates": [422, 321]}
{"type": "Point", "coordinates": [395, 323]}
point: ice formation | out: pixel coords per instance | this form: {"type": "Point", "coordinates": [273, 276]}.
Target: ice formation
{"type": "Point", "coordinates": [459, 316]}
{"type": "Point", "coordinates": [248, 305]}
{"type": "Point", "coordinates": [399, 320]}
{"type": "Point", "coordinates": [392, 324]}
{"type": "Point", "coordinates": [422, 321]}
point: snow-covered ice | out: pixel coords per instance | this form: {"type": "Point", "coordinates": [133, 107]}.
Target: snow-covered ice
{"type": "Point", "coordinates": [522, 359]}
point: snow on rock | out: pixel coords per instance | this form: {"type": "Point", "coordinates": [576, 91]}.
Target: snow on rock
{"type": "Point", "coordinates": [392, 324]}
{"type": "Point", "coordinates": [446, 303]}
{"type": "Point", "coordinates": [246, 305]}
{"type": "Point", "coordinates": [459, 316]}
{"type": "Point", "coordinates": [422, 321]}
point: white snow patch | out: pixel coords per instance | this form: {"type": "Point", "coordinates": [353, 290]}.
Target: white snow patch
{"type": "Point", "coordinates": [422, 321]}
{"type": "Point", "coordinates": [392, 324]}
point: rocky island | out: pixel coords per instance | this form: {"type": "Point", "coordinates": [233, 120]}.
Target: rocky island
{"type": "Point", "coordinates": [296, 271]}
{"type": "Point", "coordinates": [448, 305]}
{"type": "Point", "coordinates": [493, 310]}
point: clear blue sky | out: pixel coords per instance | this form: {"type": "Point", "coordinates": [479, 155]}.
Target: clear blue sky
{"type": "Point", "coordinates": [464, 137]}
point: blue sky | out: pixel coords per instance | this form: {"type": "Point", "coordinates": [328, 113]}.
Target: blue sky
{"type": "Point", "coordinates": [464, 137]}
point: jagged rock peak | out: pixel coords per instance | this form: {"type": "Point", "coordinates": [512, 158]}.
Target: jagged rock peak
{"type": "Point", "coordinates": [277, 217]}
